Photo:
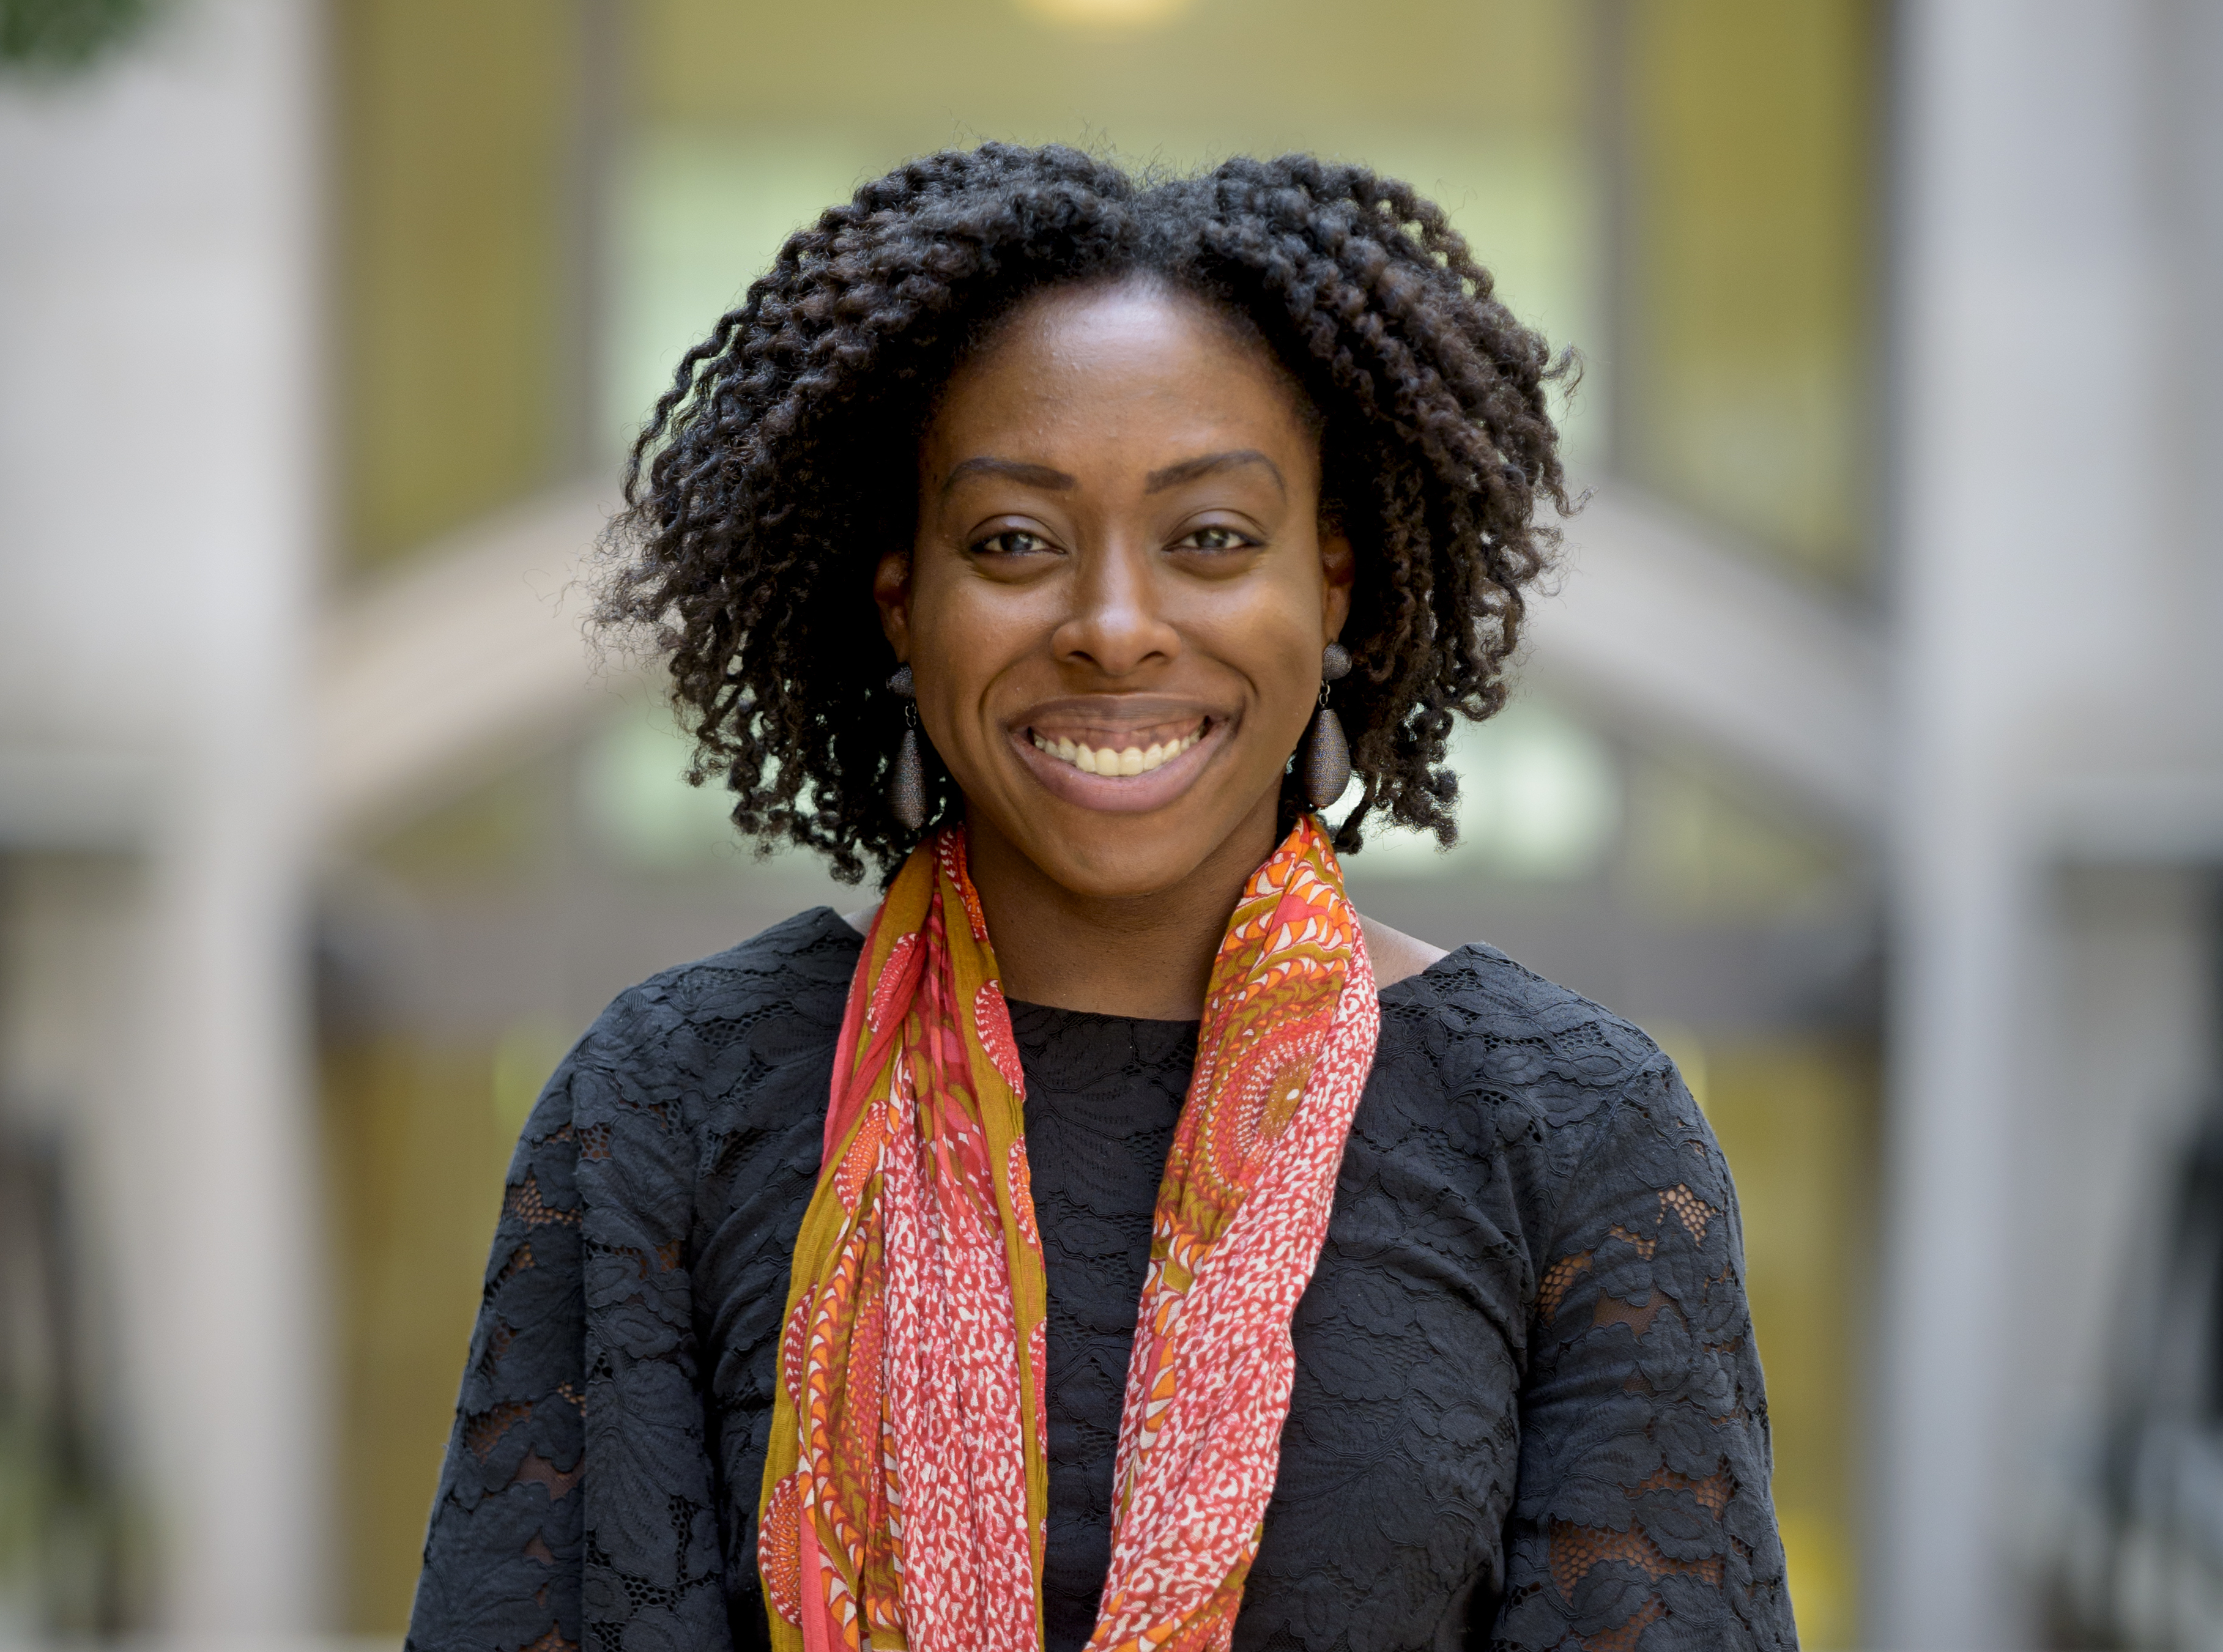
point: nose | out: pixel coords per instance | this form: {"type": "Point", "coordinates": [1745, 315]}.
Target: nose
{"type": "Point", "coordinates": [1115, 623]}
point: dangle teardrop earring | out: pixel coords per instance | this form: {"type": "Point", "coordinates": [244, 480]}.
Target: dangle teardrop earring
{"type": "Point", "coordinates": [907, 784]}
{"type": "Point", "coordinates": [1324, 764]}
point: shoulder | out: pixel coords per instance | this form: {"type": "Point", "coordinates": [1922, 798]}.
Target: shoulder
{"type": "Point", "coordinates": [1530, 1066]}
{"type": "Point", "coordinates": [1395, 955]}
{"type": "Point", "coordinates": [1486, 1025]}
{"type": "Point", "coordinates": [689, 1034]}
{"type": "Point", "coordinates": [808, 956]}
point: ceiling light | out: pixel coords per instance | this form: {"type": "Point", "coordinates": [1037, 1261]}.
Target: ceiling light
{"type": "Point", "coordinates": [1106, 14]}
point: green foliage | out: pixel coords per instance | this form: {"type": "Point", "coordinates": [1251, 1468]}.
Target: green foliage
{"type": "Point", "coordinates": [65, 34]}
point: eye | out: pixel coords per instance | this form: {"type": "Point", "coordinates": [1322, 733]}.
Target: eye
{"type": "Point", "coordinates": [1214, 539]}
{"type": "Point", "coordinates": [1012, 542]}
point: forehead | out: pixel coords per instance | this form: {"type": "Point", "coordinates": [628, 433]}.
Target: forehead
{"type": "Point", "coordinates": [1114, 369]}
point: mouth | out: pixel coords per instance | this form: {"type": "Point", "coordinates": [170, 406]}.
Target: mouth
{"type": "Point", "coordinates": [1119, 754]}
{"type": "Point", "coordinates": [1140, 754]}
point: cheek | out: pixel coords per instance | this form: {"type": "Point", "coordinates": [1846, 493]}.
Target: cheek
{"type": "Point", "coordinates": [1274, 638]}
{"type": "Point", "coordinates": [966, 635]}
{"type": "Point", "coordinates": [968, 625]}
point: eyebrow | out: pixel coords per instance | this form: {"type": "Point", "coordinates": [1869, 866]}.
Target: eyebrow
{"type": "Point", "coordinates": [1033, 475]}
{"type": "Point", "coordinates": [1157, 481]}
{"type": "Point", "coordinates": [1189, 469]}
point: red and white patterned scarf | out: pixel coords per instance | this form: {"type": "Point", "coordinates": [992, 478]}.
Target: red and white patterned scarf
{"type": "Point", "coordinates": [906, 1482]}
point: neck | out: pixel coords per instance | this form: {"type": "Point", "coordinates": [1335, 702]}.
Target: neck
{"type": "Point", "coordinates": [1148, 956]}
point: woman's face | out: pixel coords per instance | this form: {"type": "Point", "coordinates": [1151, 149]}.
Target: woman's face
{"type": "Point", "coordinates": [1116, 602]}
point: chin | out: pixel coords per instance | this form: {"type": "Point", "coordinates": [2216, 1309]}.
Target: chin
{"type": "Point", "coordinates": [1112, 857]}
{"type": "Point", "coordinates": [1109, 869]}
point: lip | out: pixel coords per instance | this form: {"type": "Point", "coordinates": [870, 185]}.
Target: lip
{"type": "Point", "coordinates": [1121, 794]}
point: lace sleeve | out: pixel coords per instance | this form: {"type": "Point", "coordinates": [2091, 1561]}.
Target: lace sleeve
{"type": "Point", "coordinates": [502, 1552]}
{"type": "Point", "coordinates": [1641, 1519]}
{"type": "Point", "coordinates": [578, 1503]}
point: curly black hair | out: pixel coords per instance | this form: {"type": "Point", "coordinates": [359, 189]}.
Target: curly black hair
{"type": "Point", "coordinates": [782, 463]}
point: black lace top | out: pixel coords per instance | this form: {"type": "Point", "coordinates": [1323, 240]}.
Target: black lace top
{"type": "Point", "coordinates": [1527, 1412]}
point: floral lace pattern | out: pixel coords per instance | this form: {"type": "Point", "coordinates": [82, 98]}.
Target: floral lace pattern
{"type": "Point", "coordinates": [1527, 1412]}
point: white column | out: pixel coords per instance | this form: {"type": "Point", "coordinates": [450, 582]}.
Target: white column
{"type": "Point", "coordinates": [159, 449]}
{"type": "Point", "coordinates": [2022, 445]}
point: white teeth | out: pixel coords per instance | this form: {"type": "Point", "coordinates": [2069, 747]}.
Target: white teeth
{"type": "Point", "coordinates": [1104, 760]}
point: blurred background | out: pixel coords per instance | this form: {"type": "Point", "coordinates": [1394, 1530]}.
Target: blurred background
{"type": "Point", "coordinates": [1869, 754]}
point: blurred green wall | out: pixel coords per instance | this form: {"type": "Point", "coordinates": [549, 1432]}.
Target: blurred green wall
{"type": "Point", "coordinates": [457, 177]}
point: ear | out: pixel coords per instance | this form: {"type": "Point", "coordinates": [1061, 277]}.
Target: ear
{"type": "Point", "coordinates": [1339, 566]}
{"type": "Point", "coordinates": [891, 592]}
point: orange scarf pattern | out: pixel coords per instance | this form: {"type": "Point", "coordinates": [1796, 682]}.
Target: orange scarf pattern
{"type": "Point", "coordinates": [906, 1483]}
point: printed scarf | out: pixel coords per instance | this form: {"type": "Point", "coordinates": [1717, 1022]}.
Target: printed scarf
{"type": "Point", "coordinates": [906, 1482]}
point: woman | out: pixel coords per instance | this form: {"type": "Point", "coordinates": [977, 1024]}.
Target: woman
{"type": "Point", "coordinates": [1111, 1239]}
